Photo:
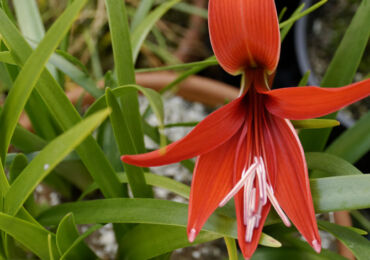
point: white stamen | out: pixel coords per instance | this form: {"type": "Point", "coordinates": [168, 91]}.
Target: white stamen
{"type": "Point", "coordinates": [252, 213]}
{"type": "Point", "coordinates": [275, 204]}
{"type": "Point", "coordinates": [252, 202]}
{"type": "Point", "coordinates": [250, 228]}
{"type": "Point", "coordinates": [239, 185]}
{"type": "Point", "coordinates": [316, 246]}
{"type": "Point", "coordinates": [192, 235]}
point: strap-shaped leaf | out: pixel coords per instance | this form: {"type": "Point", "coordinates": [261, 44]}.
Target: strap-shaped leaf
{"type": "Point", "coordinates": [126, 145]}
{"type": "Point", "coordinates": [151, 179]}
{"type": "Point", "coordinates": [329, 165]}
{"type": "Point", "coordinates": [142, 30]}
{"type": "Point", "coordinates": [64, 113]}
{"type": "Point", "coordinates": [342, 69]}
{"type": "Point", "coordinates": [162, 212]}
{"type": "Point", "coordinates": [67, 234]}
{"type": "Point", "coordinates": [47, 159]}
{"type": "Point", "coordinates": [359, 245]}
{"type": "Point", "coordinates": [31, 71]}
{"type": "Point", "coordinates": [30, 235]}
{"type": "Point", "coordinates": [341, 193]}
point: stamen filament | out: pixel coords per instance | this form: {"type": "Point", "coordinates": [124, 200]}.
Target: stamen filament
{"type": "Point", "coordinates": [275, 204]}
{"type": "Point", "coordinates": [239, 185]}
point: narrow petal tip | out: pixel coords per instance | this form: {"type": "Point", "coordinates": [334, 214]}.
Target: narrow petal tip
{"type": "Point", "coordinates": [192, 234]}
{"type": "Point", "coordinates": [316, 246]}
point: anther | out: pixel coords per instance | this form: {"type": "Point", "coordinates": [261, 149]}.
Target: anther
{"type": "Point", "coordinates": [316, 246]}
{"type": "Point", "coordinates": [192, 235]}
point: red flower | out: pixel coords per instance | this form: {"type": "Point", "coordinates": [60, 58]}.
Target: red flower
{"type": "Point", "coordinates": [248, 149]}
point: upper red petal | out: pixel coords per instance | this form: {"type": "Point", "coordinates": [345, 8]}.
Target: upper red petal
{"type": "Point", "coordinates": [212, 180]}
{"type": "Point", "coordinates": [244, 34]}
{"type": "Point", "coordinates": [292, 188]}
{"type": "Point", "coordinates": [213, 131]}
{"type": "Point", "coordinates": [309, 102]}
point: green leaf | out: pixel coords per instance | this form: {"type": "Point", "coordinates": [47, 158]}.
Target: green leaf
{"type": "Point", "coordinates": [285, 30]}
{"type": "Point", "coordinates": [289, 253]}
{"type": "Point", "coordinates": [155, 102]}
{"type": "Point", "coordinates": [29, 19]}
{"type": "Point", "coordinates": [64, 113]}
{"type": "Point", "coordinates": [125, 72]}
{"type": "Point", "coordinates": [30, 235]}
{"type": "Point", "coordinates": [141, 12]}
{"type": "Point", "coordinates": [151, 179]}
{"type": "Point", "coordinates": [162, 212]}
{"type": "Point", "coordinates": [341, 193]}
{"type": "Point", "coordinates": [76, 244]}
{"type": "Point", "coordinates": [19, 163]}
{"type": "Point", "coordinates": [67, 233]}
{"type": "Point", "coordinates": [359, 245]}
{"type": "Point", "coordinates": [211, 61]}
{"type": "Point", "coordinates": [142, 30]}
{"type": "Point", "coordinates": [30, 23]}
{"type": "Point", "coordinates": [47, 159]}
{"type": "Point", "coordinates": [71, 67]}
{"type": "Point", "coordinates": [353, 143]}
{"type": "Point", "coordinates": [126, 145]}
{"type": "Point", "coordinates": [301, 14]}
{"type": "Point", "coordinates": [31, 71]}
{"type": "Point", "coordinates": [329, 165]}
{"type": "Point", "coordinates": [139, 242]}
{"type": "Point", "coordinates": [342, 69]}
{"type": "Point", "coordinates": [314, 123]}
{"type": "Point", "coordinates": [118, 24]}
{"type": "Point", "coordinates": [6, 57]}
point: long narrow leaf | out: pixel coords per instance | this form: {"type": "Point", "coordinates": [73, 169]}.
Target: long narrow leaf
{"type": "Point", "coordinates": [30, 73]}
{"type": "Point", "coordinates": [359, 245]}
{"type": "Point", "coordinates": [141, 31]}
{"type": "Point", "coordinates": [126, 146]}
{"type": "Point", "coordinates": [64, 112]}
{"type": "Point", "coordinates": [47, 159]}
{"type": "Point", "coordinates": [342, 69]}
{"type": "Point", "coordinates": [30, 235]}
{"type": "Point", "coordinates": [162, 212]}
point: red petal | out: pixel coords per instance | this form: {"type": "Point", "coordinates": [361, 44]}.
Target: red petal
{"type": "Point", "coordinates": [292, 188]}
{"type": "Point", "coordinates": [244, 34]}
{"type": "Point", "coordinates": [212, 180]}
{"type": "Point", "coordinates": [308, 102]}
{"type": "Point", "coordinates": [213, 131]}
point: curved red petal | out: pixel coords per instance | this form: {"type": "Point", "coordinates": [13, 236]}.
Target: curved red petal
{"type": "Point", "coordinates": [244, 34]}
{"type": "Point", "coordinates": [292, 188]}
{"type": "Point", "coordinates": [212, 180]}
{"type": "Point", "coordinates": [213, 131]}
{"type": "Point", "coordinates": [309, 102]}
